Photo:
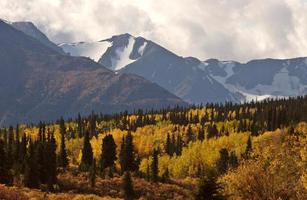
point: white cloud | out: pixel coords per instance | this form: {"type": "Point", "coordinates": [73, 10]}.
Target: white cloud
{"type": "Point", "coordinates": [236, 30]}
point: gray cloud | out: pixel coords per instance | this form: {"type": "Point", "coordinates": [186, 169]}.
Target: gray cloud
{"type": "Point", "coordinates": [229, 30]}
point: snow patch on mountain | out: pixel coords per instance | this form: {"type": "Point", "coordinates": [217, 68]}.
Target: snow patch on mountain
{"type": "Point", "coordinates": [142, 48]}
{"type": "Point", "coordinates": [122, 58]}
{"type": "Point", "coordinates": [93, 50]}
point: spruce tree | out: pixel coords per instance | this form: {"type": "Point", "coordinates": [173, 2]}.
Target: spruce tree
{"type": "Point", "coordinates": [128, 186]}
{"type": "Point", "coordinates": [248, 147]}
{"type": "Point", "coordinates": [189, 135]}
{"type": "Point", "coordinates": [128, 161]}
{"type": "Point", "coordinates": [222, 164]}
{"type": "Point", "coordinates": [208, 189]}
{"type": "Point", "coordinates": [108, 152]}
{"type": "Point", "coordinates": [233, 160]}
{"type": "Point", "coordinates": [63, 160]}
{"type": "Point", "coordinates": [87, 153]}
{"type": "Point", "coordinates": [4, 171]}
{"type": "Point", "coordinates": [31, 177]}
{"type": "Point", "coordinates": [50, 162]}
{"type": "Point", "coordinates": [168, 147]}
{"type": "Point", "coordinates": [41, 163]}
{"type": "Point", "coordinates": [154, 166]}
{"type": "Point", "coordinates": [201, 134]}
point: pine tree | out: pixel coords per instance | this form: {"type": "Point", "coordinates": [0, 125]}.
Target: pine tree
{"type": "Point", "coordinates": [31, 177]}
{"type": "Point", "coordinates": [208, 189]}
{"type": "Point", "coordinates": [87, 153]}
{"type": "Point", "coordinates": [222, 164]}
{"type": "Point", "coordinates": [201, 134]}
{"type": "Point", "coordinates": [40, 158]}
{"type": "Point", "coordinates": [189, 135]}
{"type": "Point", "coordinates": [179, 145]}
{"type": "Point", "coordinates": [128, 161]}
{"type": "Point", "coordinates": [10, 148]}
{"type": "Point", "coordinates": [22, 153]}
{"type": "Point", "coordinates": [233, 160]}
{"type": "Point", "coordinates": [4, 171]}
{"type": "Point", "coordinates": [168, 145]}
{"type": "Point", "coordinates": [50, 162]}
{"type": "Point", "coordinates": [154, 166]}
{"type": "Point", "coordinates": [63, 160]}
{"type": "Point", "coordinates": [128, 186]}
{"type": "Point", "coordinates": [108, 152]}
{"type": "Point", "coordinates": [248, 147]}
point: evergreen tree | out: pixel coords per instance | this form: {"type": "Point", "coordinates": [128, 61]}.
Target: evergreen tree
{"type": "Point", "coordinates": [41, 163]}
{"type": "Point", "coordinates": [87, 153]}
{"type": "Point", "coordinates": [189, 135]}
{"type": "Point", "coordinates": [128, 186]}
{"type": "Point", "coordinates": [50, 161]}
{"type": "Point", "coordinates": [208, 189]}
{"type": "Point", "coordinates": [248, 147]}
{"type": "Point", "coordinates": [108, 152]}
{"type": "Point", "coordinates": [10, 148]}
{"type": "Point", "coordinates": [222, 164]}
{"type": "Point", "coordinates": [4, 171]}
{"type": "Point", "coordinates": [179, 145]}
{"type": "Point", "coordinates": [233, 160]}
{"type": "Point", "coordinates": [128, 161]}
{"type": "Point", "coordinates": [201, 134]}
{"type": "Point", "coordinates": [154, 166]}
{"type": "Point", "coordinates": [168, 145]}
{"type": "Point", "coordinates": [31, 177]}
{"type": "Point", "coordinates": [22, 153]}
{"type": "Point", "coordinates": [63, 160]}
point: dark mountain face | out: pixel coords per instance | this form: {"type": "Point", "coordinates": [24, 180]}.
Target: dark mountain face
{"type": "Point", "coordinates": [37, 83]}
{"type": "Point", "coordinates": [31, 30]}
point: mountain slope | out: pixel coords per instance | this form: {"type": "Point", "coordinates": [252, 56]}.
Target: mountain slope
{"type": "Point", "coordinates": [136, 55]}
{"type": "Point", "coordinates": [37, 83]}
{"type": "Point", "coordinates": [204, 81]}
{"type": "Point", "coordinates": [31, 30]}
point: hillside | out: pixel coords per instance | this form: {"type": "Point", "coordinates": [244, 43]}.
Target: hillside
{"type": "Point", "coordinates": [180, 153]}
{"type": "Point", "coordinates": [37, 83]}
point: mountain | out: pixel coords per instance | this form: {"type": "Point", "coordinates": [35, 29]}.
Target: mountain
{"type": "Point", "coordinates": [38, 83]}
{"type": "Point", "coordinates": [31, 30]}
{"type": "Point", "coordinates": [199, 81]}
{"type": "Point", "coordinates": [136, 55]}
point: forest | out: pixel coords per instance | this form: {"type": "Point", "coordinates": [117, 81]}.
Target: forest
{"type": "Point", "coordinates": [255, 150]}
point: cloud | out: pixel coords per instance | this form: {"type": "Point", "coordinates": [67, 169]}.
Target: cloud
{"type": "Point", "coordinates": [229, 30]}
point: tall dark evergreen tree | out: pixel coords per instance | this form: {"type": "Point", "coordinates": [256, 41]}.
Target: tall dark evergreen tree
{"type": "Point", "coordinates": [63, 159]}
{"type": "Point", "coordinates": [168, 145]}
{"type": "Point", "coordinates": [233, 160]}
{"type": "Point", "coordinates": [154, 166]}
{"type": "Point", "coordinates": [87, 153]}
{"type": "Point", "coordinates": [128, 160]}
{"type": "Point", "coordinates": [50, 161]}
{"type": "Point", "coordinates": [248, 147]}
{"type": "Point", "coordinates": [208, 189]}
{"type": "Point", "coordinates": [31, 177]}
{"type": "Point", "coordinates": [4, 171]}
{"type": "Point", "coordinates": [201, 134]}
{"type": "Point", "coordinates": [222, 164]}
{"type": "Point", "coordinates": [108, 152]}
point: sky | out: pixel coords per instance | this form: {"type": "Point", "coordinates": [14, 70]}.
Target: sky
{"type": "Point", "coordinates": [238, 30]}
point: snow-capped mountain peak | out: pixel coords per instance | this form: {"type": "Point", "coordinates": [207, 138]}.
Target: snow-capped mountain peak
{"type": "Point", "coordinates": [115, 52]}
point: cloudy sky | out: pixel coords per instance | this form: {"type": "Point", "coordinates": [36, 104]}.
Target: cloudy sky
{"type": "Point", "coordinates": [225, 29]}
